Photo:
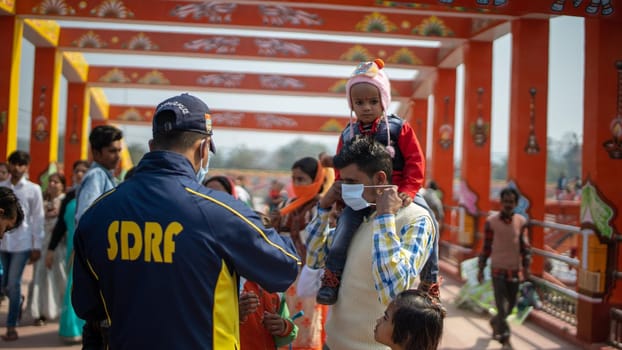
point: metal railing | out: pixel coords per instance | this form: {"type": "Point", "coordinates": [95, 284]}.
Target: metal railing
{"type": "Point", "coordinates": [451, 251]}
{"type": "Point", "coordinates": [558, 300]}
{"type": "Point", "coordinates": [615, 328]}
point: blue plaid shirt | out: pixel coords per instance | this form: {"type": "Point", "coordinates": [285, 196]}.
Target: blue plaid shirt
{"type": "Point", "coordinates": [399, 255]}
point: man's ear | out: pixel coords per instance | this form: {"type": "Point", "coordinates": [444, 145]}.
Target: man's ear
{"type": "Point", "coordinates": [380, 178]}
{"type": "Point", "coordinates": [199, 150]}
{"type": "Point", "coordinates": [150, 145]}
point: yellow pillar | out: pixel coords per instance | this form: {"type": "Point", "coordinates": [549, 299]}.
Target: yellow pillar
{"type": "Point", "coordinates": [11, 31]}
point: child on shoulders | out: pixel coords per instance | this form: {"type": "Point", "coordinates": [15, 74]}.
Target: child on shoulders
{"type": "Point", "coordinates": [368, 92]}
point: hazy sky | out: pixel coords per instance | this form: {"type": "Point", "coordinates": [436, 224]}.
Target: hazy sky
{"type": "Point", "coordinates": [565, 99]}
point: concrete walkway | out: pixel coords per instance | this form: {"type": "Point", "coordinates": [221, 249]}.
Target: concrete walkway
{"type": "Point", "coordinates": [463, 329]}
{"type": "Point", "coordinates": [467, 330]}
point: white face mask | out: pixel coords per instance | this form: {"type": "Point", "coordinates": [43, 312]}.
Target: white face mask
{"type": "Point", "coordinates": [202, 172]}
{"type": "Point", "coordinates": [352, 195]}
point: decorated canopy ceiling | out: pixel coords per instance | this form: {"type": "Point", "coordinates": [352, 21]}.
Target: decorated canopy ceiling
{"type": "Point", "coordinates": [416, 37]}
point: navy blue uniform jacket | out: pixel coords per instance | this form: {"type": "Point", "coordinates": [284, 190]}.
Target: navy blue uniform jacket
{"type": "Point", "coordinates": [159, 257]}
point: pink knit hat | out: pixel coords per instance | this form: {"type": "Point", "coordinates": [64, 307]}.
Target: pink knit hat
{"type": "Point", "coordinates": [371, 72]}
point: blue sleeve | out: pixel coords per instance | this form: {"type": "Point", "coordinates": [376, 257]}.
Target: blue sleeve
{"type": "Point", "coordinates": [85, 292]}
{"type": "Point", "coordinates": [257, 253]}
{"type": "Point", "coordinates": [91, 187]}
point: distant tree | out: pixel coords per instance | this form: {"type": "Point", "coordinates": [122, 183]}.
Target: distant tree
{"type": "Point", "coordinates": [564, 156]}
{"type": "Point", "coordinates": [285, 156]}
{"type": "Point", "coordinates": [242, 157]}
{"type": "Point", "coordinates": [499, 169]}
{"type": "Point", "coordinates": [572, 154]}
{"type": "Point", "coordinates": [218, 160]}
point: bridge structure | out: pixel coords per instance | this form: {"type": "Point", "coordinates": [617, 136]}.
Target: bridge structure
{"type": "Point", "coordinates": [428, 38]}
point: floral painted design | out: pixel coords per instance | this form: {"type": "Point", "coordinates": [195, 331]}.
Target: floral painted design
{"type": "Point", "coordinates": [532, 146]}
{"type": "Point", "coordinates": [214, 11]}
{"type": "Point", "coordinates": [339, 86]}
{"type": "Point", "coordinates": [333, 125]}
{"type": "Point", "coordinates": [404, 56]}
{"type": "Point", "coordinates": [432, 26]}
{"type": "Point", "coordinates": [480, 128]}
{"type": "Point", "coordinates": [445, 136]}
{"type": "Point", "coordinates": [115, 75]}
{"type": "Point", "coordinates": [279, 15]}
{"type": "Point", "coordinates": [53, 7]}
{"type": "Point", "coordinates": [112, 9]}
{"type": "Point", "coordinates": [467, 198]}
{"type": "Point", "coordinates": [229, 80]}
{"type": "Point", "coordinates": [219, 44]}
{"type": "Point", "coordinates": [90, 40]}
{"type": "Point", "coordinates": [356, 53]}
{"type": "Point", "coordinates": [280, 82]}
{"type": "Point", "coordinates": [613, 146]}
{"type": "Point", "coordinates": [596, 213]}
{"type": "Point", "coordinates": [375, 22]}
{"type": "Point", "coordinates": [592, 8]}
{"type": "Point", "coordinates": [154, 78]}
{"type": "Point", "coordinates": [270, 121]}
{"type": "Point", "coordinates": [272, 47]}
{"type": "Point", "coordinates": [141, 42]}
{"type": "Point", "coordinates": [131, 115]}
{"type": "Point", "coordinates": [228, 118]}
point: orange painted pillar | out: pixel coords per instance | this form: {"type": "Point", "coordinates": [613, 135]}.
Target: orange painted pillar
{"type": "Point", "coordinates": [528, 121]}
{"type": "Point", "coordinates": [11, 30]}
{"type": "Point", "coordinates": [442, 168]}
{"type": "Point", "coordinates": [76, 137]}
{"type": "Point", "coordinates": [475, 166]}
{"type": "Point", "coordinates": [419, 121]}
{"type": "Point", "coordinates": [44, 121]}
{"type": "Point", "coordinates": [601, 201]}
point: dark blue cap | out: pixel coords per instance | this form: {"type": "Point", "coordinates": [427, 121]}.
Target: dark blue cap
{"type": "Point", "coordinates": [190, 114]}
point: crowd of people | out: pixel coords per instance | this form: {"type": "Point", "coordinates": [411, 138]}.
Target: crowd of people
{"type": "Point", "coordinates": [173, 257]}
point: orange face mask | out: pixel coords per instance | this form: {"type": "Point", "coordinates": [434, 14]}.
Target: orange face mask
{"type": "Point", "coordinates": [306, 190]}
{"type": "Point", "coordinates": [305, 193]}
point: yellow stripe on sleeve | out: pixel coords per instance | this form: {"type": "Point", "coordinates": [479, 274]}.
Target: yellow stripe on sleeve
{"type": "Point", "coordinates": [250, 223]}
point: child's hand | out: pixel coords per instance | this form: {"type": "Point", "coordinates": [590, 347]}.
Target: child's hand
{"type": "Point", "coordinates": [274, 324]}
{"type": "Point", "coordinates": [248, 304]}
{"type": "Point", "coordinates": [406, 199]}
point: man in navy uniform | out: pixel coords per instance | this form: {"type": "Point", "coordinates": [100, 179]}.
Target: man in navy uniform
{"type": "Point", "coordinates": [159, 257]}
